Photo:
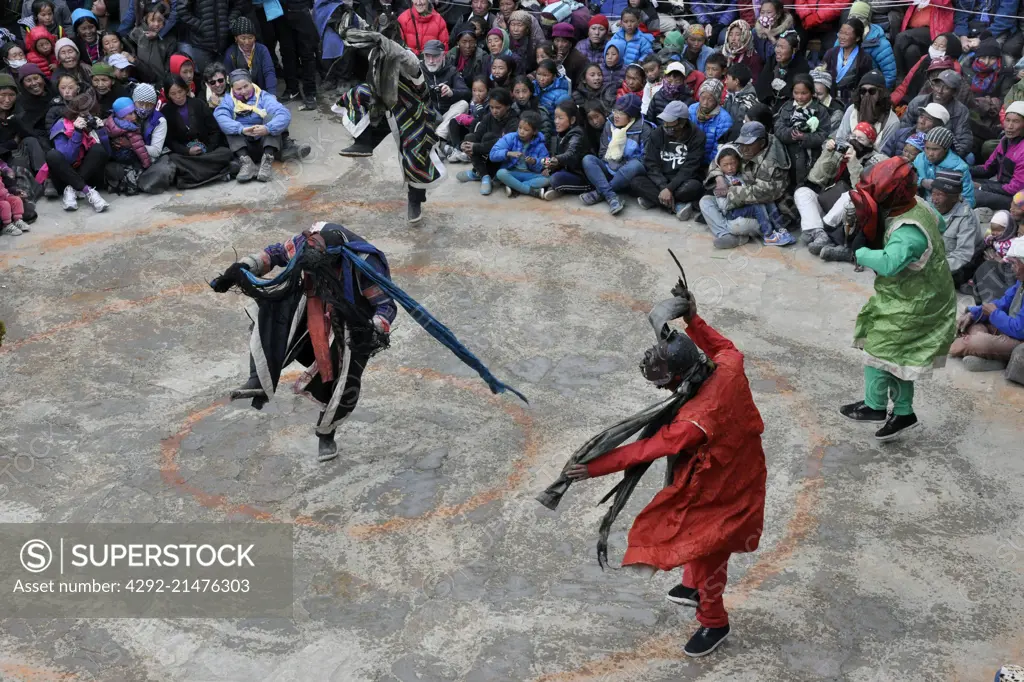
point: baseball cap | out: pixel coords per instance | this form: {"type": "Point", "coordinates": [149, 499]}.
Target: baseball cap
{"type": "Point", "coordinates": [751, 132]}
{"type": "Point", "coordinates": [434, 47]}
{"type": "Point", "coordinates": [674, 111]}
{"type": "Point", "coordinates": [949, 78]}
{"type": "Point", "coordinates": [938, 112]}
{"type": "Point", "coordinates": [118, 61]}
{"type": "Point", "coordinates": [675, 67]}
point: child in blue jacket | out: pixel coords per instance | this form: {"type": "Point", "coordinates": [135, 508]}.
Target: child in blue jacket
{"type": "Point", "coordinates": [549, 87]}
{"type": "Point", "coordinates": [638, 43]}
{"type": "Point", "coordinates": [521, 154]}
{"type": "Point", "coordinates": [253, 121]}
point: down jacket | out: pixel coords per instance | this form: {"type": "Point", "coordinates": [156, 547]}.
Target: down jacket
{"type": "Point", "coordinates": [417, 29]}
{"type": "Point", "coordinates": [714, 129]}
{"type": "Point", "coordinates": [972, 10]}
{"type": "Point", "coordinates": [570, 148]}
{"type": "Point", "coordinates": [715, 13]}
{"type": "Point", "coordinates": [277, 119]}
{"type": "Point", "coordinates": [641, 45]}
{"type": "Point", "coordinates": [636, 141]}
{"type": "Point", "coordinates": [130, 139]}
{"type": "Point", "coordinates": [878, 46]}
{"type": "Point", "coordinates": [815, 13]}
{"type": "Point", "coordinates": [207, 23]}
{"type": "Point", "coordinates": [510, 142]}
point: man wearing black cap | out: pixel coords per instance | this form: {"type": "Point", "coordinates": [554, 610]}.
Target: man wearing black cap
{"type": "Point", "coordinates": [447, 91]}
{"type": "Point", "coordinates": [945, 86]}
{"type": "Point", "coordinates": [765, 174]}
{"type": "Point", "coordinates": [672, 162]}
{"type": "Point", "coordinates": [962, 235]}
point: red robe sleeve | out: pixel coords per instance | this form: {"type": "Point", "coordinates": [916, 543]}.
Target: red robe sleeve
{"type": "Point", "coordinates": [670, 439]}
{"type": "Point", "coordinates": [707, 339]}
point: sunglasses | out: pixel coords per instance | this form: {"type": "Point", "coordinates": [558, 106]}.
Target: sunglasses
{"type": "Point", "coordinates": [868, 90]}
{"type": "Point", "coordinates": [216, 81]}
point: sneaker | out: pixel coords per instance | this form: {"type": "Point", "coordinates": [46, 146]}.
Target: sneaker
{"type": "Point", "coordinates": [730, 241]}
{"type": "Point", "coordinates": [837, 254]}
{"type": "Point", "coordinates": [704, 641]}
{"type": "Point", "coordinates": [972, 363]}
{"type": "Point", "coordinates": [549, 194]}
{"type": "Point", "coordinates": [467, 176]}
{"type": "Point", "coordinates": [590, 198]}
{"type": "Point", "coordinates": [415, 212]}
{"type": "Point", "coordinates": [49, 189]}
{"type": "Point", "coordinates": [309, 103]}
{"type": "Point", "coordinates": [266, 171]}
{"type": "Point", "coordinates": [485, 185]}
{"type": "Point", "coordinates": [896, 425]}
{"type": "Point", "coordinates": [818, 241]}
{"type": "Point", "coordinates": [459, 157]}
{"type": "Point", "coordinates": [22, 225]}
{"type": "Point", "coordinates": [644, 204]}
{"type": "Point", "coordinates": [99, 204]}
{"type": "Point", "coordinates": [860, 412]}
{"type": "Point", "coordinates": [246, 169]}
{"type": "Point", "coordinates": [70, 201]}
{"type": "Point", "coordinates": [685, 211]}
{"type": "Point", "coordinates": [288, 96]}
{"type": "Point", "coordinates": [745, 226]}
{"type": "Point", "coordinates": [328, 449]}
{"type": "Point", "coordinates": [687, 596]}
{"type": "Point", "coordinates": [780, 238]}
{"type": "Point", "coordinates": [510, 193]}
{"type": "Point", "coordinates": [10, 229]}
{"type": "Point", "coordinates": [357, 149]}
{"type": "Point", "coordinates": [615, 206]}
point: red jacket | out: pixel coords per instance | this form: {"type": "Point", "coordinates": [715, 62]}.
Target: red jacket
{"type": "Point", "coordinates": [941, 20]}
{"type": "Point", "coordinates": [46, 64]}
{"type": "Point", "coordinates": [418, 29]}
{"type": "Point", "coordinates": [812, 15]}
{"type": "Point", "coordinates": [716, 501]}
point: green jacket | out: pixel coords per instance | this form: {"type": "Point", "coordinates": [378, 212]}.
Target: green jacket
{"type": "Point", "coordinates": [906, 328]}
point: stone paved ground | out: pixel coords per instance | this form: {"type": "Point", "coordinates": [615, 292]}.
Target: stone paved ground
{"type": "Point", "coordinates": [420, 553]}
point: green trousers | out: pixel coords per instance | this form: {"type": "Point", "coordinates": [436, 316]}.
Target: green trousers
{"type": "Point", "coordinates": [880, 386]}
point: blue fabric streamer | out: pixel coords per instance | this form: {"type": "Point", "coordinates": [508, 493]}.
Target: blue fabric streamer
{"type": "Point", "coordinates": [422, 316]}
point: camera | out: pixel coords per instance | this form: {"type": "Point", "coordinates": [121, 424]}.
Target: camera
{"type": "Point", "coordinates": [842, 147]}
{"type": "Point", "coordinates": [92, 123]}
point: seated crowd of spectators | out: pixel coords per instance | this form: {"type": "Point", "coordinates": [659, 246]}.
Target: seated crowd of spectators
{"type": "Point", "coordinates": [756, 118]}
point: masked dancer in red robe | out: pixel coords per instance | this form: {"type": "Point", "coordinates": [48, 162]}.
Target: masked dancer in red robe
{"type": "Point", "coordinates": [710, 432]}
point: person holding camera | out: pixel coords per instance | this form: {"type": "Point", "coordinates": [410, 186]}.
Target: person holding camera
{"type": "Point", "coordinates": [80, 152]}
{"type": "Point", "coordinates": [802, 125]}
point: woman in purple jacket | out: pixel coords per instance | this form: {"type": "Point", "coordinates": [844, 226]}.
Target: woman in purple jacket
{"type": "Point", "coordinates": [718, 15]}
{"type": "Point", "coordinates": [80, 152]}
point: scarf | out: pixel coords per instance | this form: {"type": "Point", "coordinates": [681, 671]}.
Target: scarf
{"type": "Point", "coordinates": [984, 78]}
{"type": "Point", "coordinates": [245, 108]}
{"type": "Point", "coordinates": [617, 143]}
{"type": "Point", "coordinates": [785, 24]}
{"type": "Point", "coordinates": [842, 66]}
{"type": "Point", "coordinates": [888, 188]}
{"type": "Point", "coordinates": [745, 35]}
{"type": "Point", "coordinates": [672, 91]}
{"type": "Point", "coordinates": [623, 90]}
{"type": "Point", "coordinates": [125, 125]}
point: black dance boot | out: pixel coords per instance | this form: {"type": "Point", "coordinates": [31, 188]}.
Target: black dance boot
{"type": "Point", "coordinates": [704, 641]}
{"type": "Point", "coordinates": [328, 448]}
{"type": "Point", "coordinates": [895, 426]}
{"type": "Point", "coordinates": [687, 596]}
{"type": "Point", "coordinates": [860, 412]}
{"type": "Point", "coordinates": [250, 389]}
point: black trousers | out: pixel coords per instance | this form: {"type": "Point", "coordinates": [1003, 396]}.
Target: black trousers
{"type": "Point", "coordinates": [482, 163]}
{"type": "Point", "coordinates": [298, 37]}
{"type": "Point", "coordinates": [89, 172]}
{"type": "Point", "coordinates": [353, 382]}
{"type": "Point", "coordinates": [373, 136]}
{"type": "Point", "coordinates": [643, 186]}
{"type": "Point", "coordinates": [910, 46]}
{"type": "Point", "coordinates": [997, 201]}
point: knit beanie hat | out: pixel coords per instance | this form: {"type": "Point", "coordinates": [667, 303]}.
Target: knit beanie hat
{"type": "Point", "coordinates": [948, 180]}
{"type": "Point", "coordinates": [144, 93]}
{"type": "Point", "coordinates": [988, 48]}
{"type": "Point", "coordinates": [103, 69]}
{"type": "Point", "coordinates": [520, 15]}
{"type": "Point", "coordinates": [675, 41]}
{"type": "Point", "coordinates": [563, 30]}
{"type": "Point", "coordinates": [712, 85]}
{"type": "Point", "coordinates": [123, 106]}
{"type": "Point", "coordinates": [598, 20]}
{"type": "Point", "coordinates": [860, 10]}
{"type": "Point", "coordinates": [629, 105]}
{"type": "Point", "coordinates": [822, 76]}
{"type": "Point", "coordinates": [917, 141]}
{"type": "Point", "coordinates": [463, 29]}
{"type": "Point", "coordinates": [940, 136]}
{"type": "Point", "coordinates": [65, 42]}
{"type": "Point", "coordinates": [239, 75]}
{"type": "Point", "coordinates": [243, 26]}
{"type": "Point", "coordinates": [1015, 108]}
{"type": "Point", "coordinates": [7, 82]}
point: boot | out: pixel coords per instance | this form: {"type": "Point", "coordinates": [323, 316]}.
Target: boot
{"type": "Point", "coordinates": [818, 241]}
{"type": "Point", "coordinates": [266, 172]}
{"type": "Point", "coordinates": [250, 389]}
{"type": "Point", "coordinates": [415, 211]}
{"type": "Point", "coordinates": [839, 254]}
{"type": "Point", "coordinates": [49, 189]}
{"type": "Point", "coordinates": [357, 149]}
{"type": "Point", "coordinates": [247, 169]}
{"type": "Point", "coordinates": [328, 449]}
